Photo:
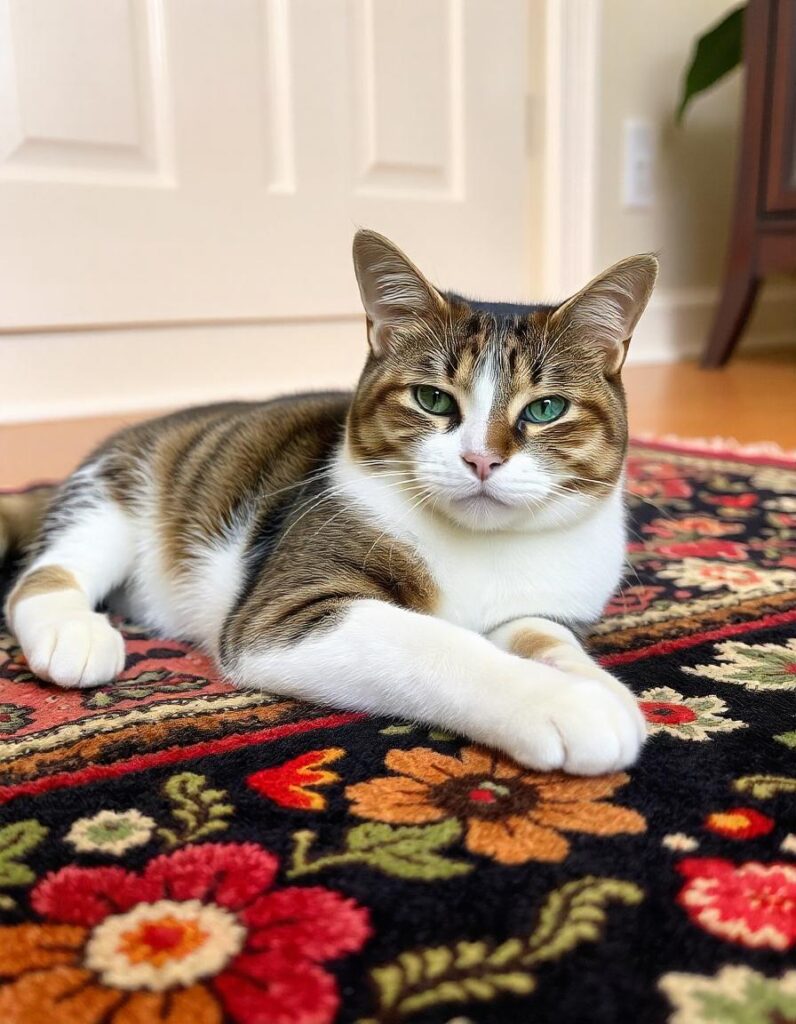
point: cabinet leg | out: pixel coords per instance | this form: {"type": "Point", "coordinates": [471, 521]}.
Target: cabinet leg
{"type": "Point", "coordinates": [737, 297]}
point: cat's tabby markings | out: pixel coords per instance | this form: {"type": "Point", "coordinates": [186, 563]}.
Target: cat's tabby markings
{"type": "Point", "coordinates": [419, 547]}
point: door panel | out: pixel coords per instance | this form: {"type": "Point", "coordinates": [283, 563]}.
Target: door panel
{"type": "Point", "coordinates": [208, 160]}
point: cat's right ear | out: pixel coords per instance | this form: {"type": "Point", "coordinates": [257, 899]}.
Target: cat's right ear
{"type": "Point", "coordinates": [394, 292]}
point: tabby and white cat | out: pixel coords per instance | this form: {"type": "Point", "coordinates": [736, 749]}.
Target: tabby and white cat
{"type": "Point", "coordinates": [428, 546]}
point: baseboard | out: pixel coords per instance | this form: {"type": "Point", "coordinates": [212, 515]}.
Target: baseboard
{"type": "Point", "coordinates": [91, 373]}
{"type": "Point", "coordinates": [677, 321]}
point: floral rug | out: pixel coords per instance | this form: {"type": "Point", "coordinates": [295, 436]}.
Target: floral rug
{"type": "Point", "coordinates": [175, 852]}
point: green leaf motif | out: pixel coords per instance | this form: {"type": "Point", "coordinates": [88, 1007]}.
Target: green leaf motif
{"type": "Point", "coordinates": [480, 971]}
{"type": "Point", "coordinates": [16, 841]}
{"type": "Point", "coordinates": [407, 851]}
{"type": "Point", "coordinates": [788, 738]}
{"type": "Point", "coordinates": [575, 913]}
{"type": "Point", "coordinates": [718, 52]}
{"type": "Point", "coordinates": [765, 786]}
{"type": "Point", "coordinates": [401, 729]}
{"type": "Point", "coordinates": [138, 689]}
{"type": "Point", "coordinates": [199, 811]}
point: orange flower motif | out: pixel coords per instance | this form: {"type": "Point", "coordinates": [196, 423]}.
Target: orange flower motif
{"type": "Point", "coordinates": [287, 784]}
{"type": "Point", "coordinates": [509, 814]}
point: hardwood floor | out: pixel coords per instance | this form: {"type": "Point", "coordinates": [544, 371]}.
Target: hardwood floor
{"type": "Point", "coordinates": [752, 399]}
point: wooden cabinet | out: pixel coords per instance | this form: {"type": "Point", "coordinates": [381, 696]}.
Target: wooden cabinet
{"type": "Point", "coordinates": [763, 239]}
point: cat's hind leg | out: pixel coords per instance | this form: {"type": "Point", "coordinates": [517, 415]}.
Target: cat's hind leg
{"type": "Point", "coordinates": [85, 551]}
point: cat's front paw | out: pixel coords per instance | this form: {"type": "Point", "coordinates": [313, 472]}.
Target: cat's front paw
{"type": "Point", "coordinates": [579, 663]}
{"type": "Point", "coordinates": [582, 727]}
{"type": "Point", "coordinates": [83, 650]}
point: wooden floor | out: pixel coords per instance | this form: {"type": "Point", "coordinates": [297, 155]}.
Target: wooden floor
{"type": "Point", "coordinates": [753, 399]}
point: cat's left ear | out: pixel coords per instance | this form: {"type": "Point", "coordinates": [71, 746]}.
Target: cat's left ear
{"type": "Point", "coordinates": [394, 292]}
{"type": "Point", "coordinates": [606, 311]}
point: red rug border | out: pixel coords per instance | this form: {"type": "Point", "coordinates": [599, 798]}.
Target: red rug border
{"type": "Point", "coordinates": [682, 642]}
{"type": "Point", "coordinates": [721, 455]}
{"type": "Point", "coordinates": [171, 755]}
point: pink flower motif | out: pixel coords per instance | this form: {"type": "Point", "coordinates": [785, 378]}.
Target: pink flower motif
{"type": "Point", "coordinates": [752, 904]}
{"type": "Point", "coordinates": [633, 599]}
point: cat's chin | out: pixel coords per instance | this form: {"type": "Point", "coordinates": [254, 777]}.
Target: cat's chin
{"type": "Point", "coordinates": [484, 512]}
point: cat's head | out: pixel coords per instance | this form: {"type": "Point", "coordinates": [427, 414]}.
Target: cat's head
{"type": "Point", "coordinates": [493, 420]}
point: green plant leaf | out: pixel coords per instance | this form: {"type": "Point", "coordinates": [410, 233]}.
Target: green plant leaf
{"type": "Point", "coordinates": [16, 841]}
{"type": "Point", "coordinates": [765, 786]}
{"type": "Point", "coordinates": [480, 971]}
{"type": "Point", "coordinates": [200, 811]}
{"type": "Point", "coordinates": [717, 52]}
{"type": "Point", "coordinates": [575, 913]}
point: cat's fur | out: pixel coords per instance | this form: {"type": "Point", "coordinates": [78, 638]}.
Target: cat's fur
{"type": "Point", "coordinates": [344, 548]}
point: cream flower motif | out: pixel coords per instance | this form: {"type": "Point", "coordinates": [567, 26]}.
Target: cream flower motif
{"type": "Point", "coordinates": [112, 832]}
{"type": "Point", "coordinates": [734, 994]}
{"type": "Point", "coordinates": [125, 950]}
{"type": "Point", "coordinates": [754, 666]}
{"type": "Point", "coordinates": [788, 844]}
{"type": "Point", "coordinates": [680, 842]}
{"type": "Point", "coordinates": [785, 504]}
{"type": "Point", "coordinates": [771, 478]}
{"type": "Point", "coordinates": [708, 575]}
{"type": "Point", "coordinates": [687, 718]}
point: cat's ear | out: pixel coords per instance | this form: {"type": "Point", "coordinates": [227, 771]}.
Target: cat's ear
{"type": "Point", "coordinates": [394, 292]}
{"type": "Point", "coordinates": [606, 311]}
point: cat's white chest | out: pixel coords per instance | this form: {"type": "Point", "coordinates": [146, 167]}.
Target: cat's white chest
{"type": "Point", "coordinates": [487, 579]}
{"type": "Point", "coordinates": [494, 579]}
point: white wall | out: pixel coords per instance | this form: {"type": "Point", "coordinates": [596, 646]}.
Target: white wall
{"type": "Point", "coordinates": [643, 48]}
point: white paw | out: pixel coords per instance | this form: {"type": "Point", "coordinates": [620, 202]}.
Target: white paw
{"type": "Point", "coordinates": [581, 726]}
{"type": "Point", "coordinates": [578, 663]}
{"type": "Point", "coordinates": [83, 650]}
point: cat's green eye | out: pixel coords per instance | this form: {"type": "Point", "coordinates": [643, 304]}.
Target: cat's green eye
{"type": "Point", "coordinates": [545, 410]}
{"type": "Point", "coordinates": [440, 403]}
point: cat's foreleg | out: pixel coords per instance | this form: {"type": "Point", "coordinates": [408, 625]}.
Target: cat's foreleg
{"type": "Point", "coordinates": [87, 552]}
{"type": "Point", "coordinates": [554, 644]}
{"type": "Point", "coordinates": [381, 658]}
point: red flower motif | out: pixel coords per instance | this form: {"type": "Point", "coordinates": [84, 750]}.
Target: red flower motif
{"type": "Point", "coordinates": [198, 936]}
{"type": "Point", "coordinates": [739, 823]}
{"type": "Point", "coordinates": [691, 526]}
{"type": "Point", "coordinates": [660, 712]}
{"type": "Point", "coordinates": [753, 904]}
{"type": "Point", "coordinates": [656, 479]}
{"type": "Point", "coordinates": [732, 500]}
{"type": "Point", "coordinates": [704, 549]}
{"type": "Point", "coordinates": [287, 784]}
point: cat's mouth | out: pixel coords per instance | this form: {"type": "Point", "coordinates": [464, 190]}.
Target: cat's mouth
{"type": "Point", "coordinates": [480, 499]}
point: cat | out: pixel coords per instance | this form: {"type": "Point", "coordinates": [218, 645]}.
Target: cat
{"type": "Point", "coordinates": [431, 546]}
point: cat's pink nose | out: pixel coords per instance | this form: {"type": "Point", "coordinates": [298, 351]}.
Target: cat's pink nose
{"type": "Point", "coordinates": [482, 463]}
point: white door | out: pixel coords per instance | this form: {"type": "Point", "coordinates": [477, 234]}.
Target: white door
{"type": "Point", "coordinates": [207, 161]}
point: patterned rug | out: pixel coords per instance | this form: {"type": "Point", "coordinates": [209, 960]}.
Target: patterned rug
{"type": "Point", "coordinates": [174, 851]}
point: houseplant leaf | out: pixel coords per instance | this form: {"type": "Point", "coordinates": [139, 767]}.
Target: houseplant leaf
{"type": "Point", "coordinates": [717, 52]}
